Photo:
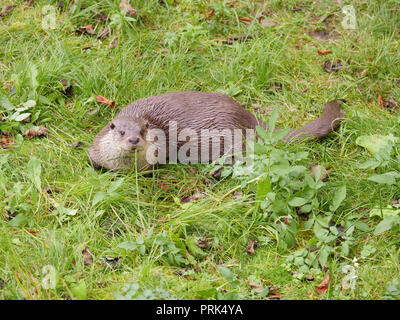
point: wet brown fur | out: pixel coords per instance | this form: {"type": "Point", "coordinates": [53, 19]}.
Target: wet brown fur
{"type": "Point", "coordinates": [207, 110]}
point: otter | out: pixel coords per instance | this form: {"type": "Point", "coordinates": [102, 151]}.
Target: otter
{"type": "Point", "coordinates": [126, 137]}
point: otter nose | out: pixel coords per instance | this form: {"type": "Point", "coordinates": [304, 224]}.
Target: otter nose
{"type": "Point", "coordinates": [134, 140]}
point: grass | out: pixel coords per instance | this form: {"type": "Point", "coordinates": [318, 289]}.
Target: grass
{"type": "Point", "coordinates": [176, 48]}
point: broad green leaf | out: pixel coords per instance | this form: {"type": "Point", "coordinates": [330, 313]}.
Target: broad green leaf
{"type": "Point", "coordinates": [338, 198]}
{"type": "Point", "coordinates": [128, 245]}
{"type": "Point", "coordinates": [369, 164]}
{"type": "Point", "coordinates": [98, 197]}
{"type": "Point", "coordinates": [115, 185]}
{"type": "Point", "coordinates": [323, 255]}
{"type": "Point", "coordinates": [6, 104]}
{"type": "Point", "coordinates": [18, 221]}
{"type": "Point", "coordinates": [389, 211]}
{"type": "Point", "coordinates": [380, 146]}
{"type": "Point", "coordinates": [34, 169]}
{"type": "Point", "coordinates": [29, 104]}
{"type": "Point", "coordinates": [385, 178]}
{"type": "Point", "coordinates": [263, 188]}
{"type": "Point", "coordinates": [22, 117]}
{"type": "Point", "coordinates": [262, 133]}
{"type": "Point", "coordinates": [320, 232]}
{"type": "Point", "coordinates": [279, 135]}
{"type": "Point", "coordinates": [79, 290]}
{"type": "Point", "coordinates": [297, 202]}
{"type": "Point", "coordinates": [386, 224]}
{"type": "Point", "coordinates": [226, 273]}
{"type": "Point", "coordinates": [360, 225]}
{"type": "Point", "coordinates": [194, 249]}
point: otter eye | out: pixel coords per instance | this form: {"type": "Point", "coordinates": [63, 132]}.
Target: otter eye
{"type": "Point", "coordinates": [122, 133]}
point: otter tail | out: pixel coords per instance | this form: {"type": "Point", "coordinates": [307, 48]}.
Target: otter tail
{"type": "Point", "coordinates": [318, 128]}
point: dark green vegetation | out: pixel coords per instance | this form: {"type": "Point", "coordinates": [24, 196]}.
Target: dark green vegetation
{"type": "Point", "coordinates": [95, 232]}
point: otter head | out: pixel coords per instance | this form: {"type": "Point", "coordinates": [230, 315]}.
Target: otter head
{"type": "Point", "coordinates": [122, 140]}
{"type": "Point", "coordinates": [128, 133]}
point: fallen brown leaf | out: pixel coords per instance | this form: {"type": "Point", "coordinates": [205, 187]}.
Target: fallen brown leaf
{"type": "Point", "coordinates": [86, 46]}
{"type": "Point", "coordinates": [105, 33]}
{"type": "Point", "coordinates": [205, 242]}
{"type": "Point", "coordinates": [88, 29]}
{"type": "Point", "coordinates": [323, 286]}
{"type": "Point", "coordinates": [216, 174]}
{"type": "Point", "coordinates": [194, 197]}
{"type": "Point", "coordinates": [113, 43]}
{"type": "Point", "coordinates": [30, 3]}
{"type": "Point", "coordinates": [31, 133]}
{"type": "Point", "coordinates": [251, 246]}
{"type": "Point", "coordinates": [240, 38]}
{"type": "Point", "coordinates": [322, 52]}
{"type": "Point", "coordinates": [101, 17]}
{"type": "Point", "coordinates": [210, 13]}
{"type": "Point", "coordinates": [387, 103]}
{"type": "Point", "coordinates": [124, 5]}
{"type": "Point", "coordinates": [380, 99]}
{"type": "Point", "coordinates": [163, 186]}
{"type": "Point", "coordinates": [5, 142]}
{"type": "Point", "coordinates": [256, 287]}
{"type": "Point", "coordinates": [6, 10]}
{"type": "Point", "coordinates": [105, 101]}
{"type": "Point", "coordinates": [66, 87]}
{"type": "Point", "coordinates": [87, 257]}
{"type": "Point", "coordinates": [331, 67]}
{"type": "Point", "coordinates": [246, 19]}
{"type": "Point", "coordinates": [76, 144]}
{"type": "Point", "coordinates": [274, 293]}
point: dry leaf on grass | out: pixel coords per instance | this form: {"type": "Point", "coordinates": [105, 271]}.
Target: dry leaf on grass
{"type": "Point", "coordinates": [101, 17]}
{"type": "Point", "coordinates": [331, 66]}
{"type": "Point", "coordinates": [105, 33]}
{"type": "Point", "coordinates": [105, 101]}
{"type": "Point", "coordinates": [32, 133]}
{"type": "Point", "coordinates": [124, 5]}
{"type": "Point", "coordinates": [387, 103]}
{"type": "Point", "coordinates": [323, 286]}
{"type": "Point", "coordinates": [251, 246]}
{"type": "Point", "coordinates": [163, 186]}
{"type": "Point", "coordinates": [322, 52]}
{"type": "Point", "coordinates": [5, 142]}
{"type": "Point", "coordinates": [240, 38]}
{"type": "Point", "coordinates": [194, 197]}
{"type": "Point", "coordinates": [210, 13]}
{"type": "Point", "coordinates": [77, 144]}
{"type": "Point", "coordinates": [87, 257]}
{"type": "Point", "coordinates": [86, 29]}
{"type": "Point", "coordinates": [113, 43]}
{"type": "Point", "coordinates": [256, 287]}
{"type": "Point", "coordinates": [245, 19]}
{"type": "Point", "coordinates": [6, 10]}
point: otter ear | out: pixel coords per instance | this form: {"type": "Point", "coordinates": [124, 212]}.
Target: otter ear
{"type": "Point", "coordinates": [112, 126]}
